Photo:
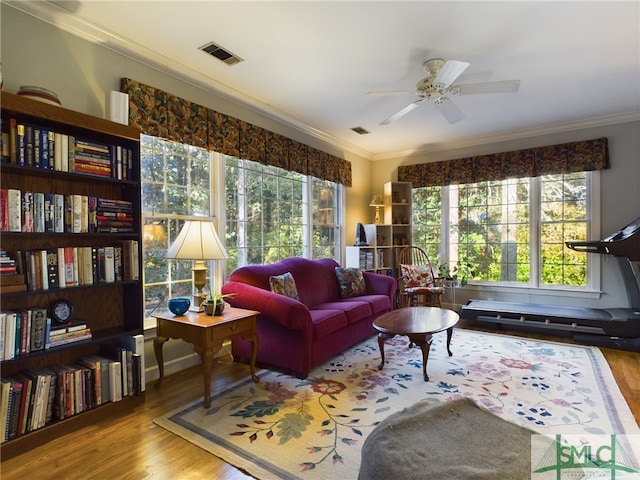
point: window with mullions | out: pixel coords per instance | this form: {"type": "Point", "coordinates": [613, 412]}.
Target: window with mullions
{"type": "Point", "coordinates": [176, 185]}
{"type": "Point", "coordinates": [272, 213]}
{"type": "Point", "coordinates": [511, 231]}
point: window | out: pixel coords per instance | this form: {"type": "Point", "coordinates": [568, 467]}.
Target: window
{"type": "Point", "coordinates": [272, 213]}
{"type": "Point", "coordinates": [269, 213]}
{"type": "Point", "coordinates": [511, 231]}
{"type": "Point", "coordinates": [176, 185]}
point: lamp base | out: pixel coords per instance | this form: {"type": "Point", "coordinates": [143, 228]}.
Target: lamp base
{"type": "Point", "coordinates": [198, 303]}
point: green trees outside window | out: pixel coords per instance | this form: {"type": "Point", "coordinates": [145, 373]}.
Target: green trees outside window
{"type": "Point", "coordinates": [509, 231]}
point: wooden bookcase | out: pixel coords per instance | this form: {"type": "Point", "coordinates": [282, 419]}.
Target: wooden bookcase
{"type": "Point", "coordinates": [109, 309]}
{"type": "Point", "coordinates": [384, 241]}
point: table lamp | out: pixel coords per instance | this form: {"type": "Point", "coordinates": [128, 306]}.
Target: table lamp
{"type": "Point", "coordinates": [198, 241]}
{"type": "Point", "coordinates": [377, 202]}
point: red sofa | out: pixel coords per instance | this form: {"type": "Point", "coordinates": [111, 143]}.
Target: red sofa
{"type": "Point", "coordinates": [296, 335]}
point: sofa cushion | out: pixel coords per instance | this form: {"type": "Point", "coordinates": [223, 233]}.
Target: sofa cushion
{"type": "Point", "coordinates": [354, 309]}
{"type": "Point", "coordinates": [351, 282]}
{"type": "Point", "coordinates": [284, 284]}
{"type": "Point", "coordinates": [327, 321]}
{"type": "Point", "coordinates": [377, 303]}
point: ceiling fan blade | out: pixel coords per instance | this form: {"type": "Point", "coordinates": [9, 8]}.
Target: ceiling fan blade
{"type": "Point", "coordinates": [450, 71]}
{"type": "Point", "coordinates": [387, 94]}
{"type": "Point", "coordinates": [402, 112]}
{"type": "Point", "coordinates": [449, 110]}
{"type": "Point", "coordinates": [505, 86]}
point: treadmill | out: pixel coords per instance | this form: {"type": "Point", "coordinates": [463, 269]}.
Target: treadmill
{"type": "Point", "coordinates": [608, 327]}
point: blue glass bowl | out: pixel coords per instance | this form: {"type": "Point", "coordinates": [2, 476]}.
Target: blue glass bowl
{"type": "Point", "coordinates": [178, 305]}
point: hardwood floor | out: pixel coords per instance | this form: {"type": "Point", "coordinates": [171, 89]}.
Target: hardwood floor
{"type": "Point", "coordinates": [133, 447]}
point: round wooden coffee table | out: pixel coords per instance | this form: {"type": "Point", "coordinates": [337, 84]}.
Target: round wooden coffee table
{"type": "Point", "coordinates": [419, 324]}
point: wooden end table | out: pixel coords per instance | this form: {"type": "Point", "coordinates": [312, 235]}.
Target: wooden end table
{"type": "Point", "coordinates": [206, 333]}
{"type": "Point", "coordinates": [419, 324]}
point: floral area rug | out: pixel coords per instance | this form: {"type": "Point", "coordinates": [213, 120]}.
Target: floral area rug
{"type": "Point", "coordinates": [284, 427]}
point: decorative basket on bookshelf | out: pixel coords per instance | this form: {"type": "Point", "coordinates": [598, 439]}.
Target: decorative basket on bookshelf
{"type": "Point", "coordinates": [39, 93]}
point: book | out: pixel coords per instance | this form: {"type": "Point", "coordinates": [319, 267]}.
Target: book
{"type": "Point", "coordinates": [53, 384]}
{"type": "Point", "coordinates": [130, 260]}
{"type": "Point", "coordinates": [9, 335]}
{"type": "Point", "coordinates": [28, 142]}
{"type": "Point", "coordinates": [27, 212]}
{"type": "Point", "coordinates": [69, 278]}
{"type": "Point", "coordinates": [58, 209]}
{"type": "Point", "coordinates": [4, 211]}
{"type": "Point", "coordinates": [3, 326]}
{"type": "Point", "coordinates": [62, 270]}
{"type": "Point", "coordinates": [25, 330]}
{"type": "Point", "coordinates": [135, 343]}
{"type": "Point", "coordinates": [14, 411]}
{"type": "Point", "coordinates": [52, 268]}
{"type": "Point", "coordinates": [13, 141]}
{"type": "Point", "coordinates": [76, 209]}
{"type": "Point", "coordinates": [109, 264]}
{"type": "Point", "coordinates": [115, 381]}
{"type": "Point", "coordinates": [49, 213]}
{"type": "Point", "coordinates": [14, 210]}
{"type": "Point", "coordinates": [94, 365]}
{"type": "Point", "coordinates": [119, 355]}
{"type": "Point", "coordinates": [38, 327]}
{"type": "Point", "coordinates": [26, 403]}
{"type": "Point", "coordinates": [5, 390]}
{"type": "Point", "coordinates": [38, 212]}
{"type": "Point", "coordinates": [64, 382]}
{"type": "Point", "coordinates": [104, 376]}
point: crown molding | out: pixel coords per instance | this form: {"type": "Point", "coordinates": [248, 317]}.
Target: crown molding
{"type": "Point", "coordinates": [50, 12]}
{"type": "Point", "coordinates": [514, 135]}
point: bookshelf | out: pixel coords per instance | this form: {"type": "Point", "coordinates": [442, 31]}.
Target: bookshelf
{"type": "Point", "coordinates": [375, 257]}
{"type": "Point", "coordinates": [111, 309]}
{"type": "Point", "coordinates": [397, 211]}
{"type": "Point", "coordinates": [384, 240]}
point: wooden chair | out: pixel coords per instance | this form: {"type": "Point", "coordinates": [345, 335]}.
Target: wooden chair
{"type": "Point", "coordinates": [417, 280]}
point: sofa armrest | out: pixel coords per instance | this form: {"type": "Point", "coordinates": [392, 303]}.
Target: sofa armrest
{"type": "Point", "coordinates": [288, 312]}
{"type": "Point", "coordinates": [378, 284]}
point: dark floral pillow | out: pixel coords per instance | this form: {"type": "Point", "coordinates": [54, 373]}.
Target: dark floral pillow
{"type": "Point", "coordinates": [284, 284]}
{"type": "Point", "coordinates": [351, 281]}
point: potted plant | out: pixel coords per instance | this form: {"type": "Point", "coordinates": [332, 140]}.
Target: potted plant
{"type": "Point", "coordinates": [214, 303]}
{"type": "Point", "coordinates": [459, 276]}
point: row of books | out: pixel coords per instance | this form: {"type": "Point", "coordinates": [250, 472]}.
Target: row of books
{"type": "Point", "coordinates": [63, 267]}
{"type": "Point", "coordinates": [8, 265]}
{"type": "Point", "coordinates": [34, 398]}
{"type": "Point", "coordinates": [38, 212]}
{"type": "Point", "coordinates": [35, 146]}
{"type": "Point", "coordinates": [366, 260]}
{"type": "Point", "coordinates": [27, 330]}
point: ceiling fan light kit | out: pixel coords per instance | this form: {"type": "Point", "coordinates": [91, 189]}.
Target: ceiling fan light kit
{"type": "Point", "coordinates": [438, 86]}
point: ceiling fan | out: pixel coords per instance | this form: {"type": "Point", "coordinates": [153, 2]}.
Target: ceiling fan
{"type": "Point", "coordinates": [437, 88]}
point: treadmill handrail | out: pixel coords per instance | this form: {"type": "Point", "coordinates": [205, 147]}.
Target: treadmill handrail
{"type": "Point", "coordinates": [589, 247]}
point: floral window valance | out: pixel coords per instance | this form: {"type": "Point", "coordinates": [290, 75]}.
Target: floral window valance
{"type": "Point", "coordinates": [161, 114]}
{"type": "Point", "coordinates": [554, 159]}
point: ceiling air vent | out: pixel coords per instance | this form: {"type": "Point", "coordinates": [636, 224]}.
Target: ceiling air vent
{"type": "Point", "coordinates": [360, 130]}
{"type": "Point", "coordinates": [221, 54]}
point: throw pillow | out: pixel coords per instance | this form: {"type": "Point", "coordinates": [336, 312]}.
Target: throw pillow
{"type": "Point", "coordinates": [284, 284]}
{"type": "Point", "coordinates": [416, 276]}
{"type": "Point", "coordinates": [351, 281]}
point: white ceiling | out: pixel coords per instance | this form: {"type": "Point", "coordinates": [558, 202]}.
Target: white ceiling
{"type": "Point", "coordinates": [309, 63]}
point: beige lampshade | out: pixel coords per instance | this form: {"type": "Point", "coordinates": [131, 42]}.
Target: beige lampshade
{"type": "Point", "coordinates": [376, 201]}
{"type": "Point", "coordinates": [197, 240]}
